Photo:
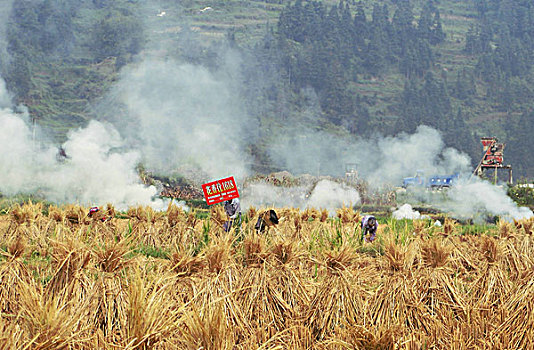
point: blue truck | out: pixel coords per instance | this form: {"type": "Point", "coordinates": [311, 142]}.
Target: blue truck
{"type": "Point", "coordinates": [435, 182]}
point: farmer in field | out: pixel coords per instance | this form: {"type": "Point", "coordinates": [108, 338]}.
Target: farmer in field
{"type": "Point", "coordinates": [369, 226]}
{"type": "Point", "coordinates": [266, 219]}
{"type": "Point", "coordinates": [61, 155]}
{"type": "Point", "coordinates": [233, 211]}
{"type": "Point", "coordinates": [96, 214]}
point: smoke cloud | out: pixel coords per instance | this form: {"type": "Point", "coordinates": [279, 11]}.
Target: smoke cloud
{"type": "Point", "coordinates": [95, 172]}
{"type": "Point", "coordinates": [380, 160]}
{"type": "Point", "coordinates": [476, 198]}
{"type": "Point", "coordinates": [424, 150]}
{"type": "Point", "coordinates": [406, 212]}
{"type": "Point", "coordinates": [387, 160]}
{"type": "Point", "coordinates": [261, 194]}
{"type": "Point", "coordinates": [182, 116]}
{"type": "Point", "coordinates": [332, 195]}
{"type": "Point", "coordinates": [4, 97]}
{"type": "Point", "coordinates": [469, 198]}
{"type": "Point", "coordinates": [100, 166]}
{"type": "Point", "coordinates": [325, 194]}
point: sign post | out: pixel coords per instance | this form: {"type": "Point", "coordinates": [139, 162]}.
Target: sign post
{"type": "Point", "coordinates": [220, 190]}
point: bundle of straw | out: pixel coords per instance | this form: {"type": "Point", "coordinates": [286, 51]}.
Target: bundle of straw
{"type": "Point", "coordinates": [338, 300]}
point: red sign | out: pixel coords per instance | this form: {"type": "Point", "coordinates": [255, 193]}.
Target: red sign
{"type": "Point", "coordinates": [493, 152]}
{"type": "Point", "coordinates": [220, 190]}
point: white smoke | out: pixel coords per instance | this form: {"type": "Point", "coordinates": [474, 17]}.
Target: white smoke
{"type": "Point", "coordinates": [16, 156]}
{"type": "Point", "coordinates": [387, 160]}
{"type": "Point", "coordinates": [183, 115]}
{"type": "Point", "coordinates": [331, 195]}
{"type": "Point", "coordinates": [401, 156]}
{"type": "Point", "coordinates": [326, 194]}
{"type": "Point", "coordinates": [379, 160]}
{"type": "Point", "coordinates": [261, 194]}
{"type": "Point", "coordinates": [4, 97]}
{"type": "Point", "coordinates": [303, 151]}
{"type": "Point", "coordinates": [406, 211]}
{"type": "Point", "coordinates": [470, 199]}
{"type": "Point", "coordinates": [96, 172]}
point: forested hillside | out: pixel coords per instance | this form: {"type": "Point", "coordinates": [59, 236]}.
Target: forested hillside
{"type": "Point", "coordinates": [350, 67]}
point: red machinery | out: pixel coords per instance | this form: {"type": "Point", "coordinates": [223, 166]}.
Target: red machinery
{"type": "Point", "coordinates": [492, 158]}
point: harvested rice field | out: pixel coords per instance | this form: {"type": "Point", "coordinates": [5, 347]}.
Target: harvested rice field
{"type": "Point", "coordinates": [172, 280]}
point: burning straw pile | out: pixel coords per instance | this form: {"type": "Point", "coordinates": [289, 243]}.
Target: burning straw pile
{"type": "Point", "coordinates": [174, 281]}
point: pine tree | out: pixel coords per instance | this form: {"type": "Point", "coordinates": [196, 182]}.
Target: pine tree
{"type": "Point", "coordinates": [361, 32]}
{"type": "Point", "coordinates": [429, 25]}
{"type": "Point", "coordinates": [404, 31]}
{"type": "Point", "coordinates": [519, 144]}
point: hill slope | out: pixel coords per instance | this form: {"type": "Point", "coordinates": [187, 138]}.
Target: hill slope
{"type": "Point", "coordinates": [463, 67]}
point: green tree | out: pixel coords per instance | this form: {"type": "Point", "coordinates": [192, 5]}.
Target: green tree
{"type": "Point", "coordinates": [519, 153]}
{"type": "Point", "coordinates": [464, 86]}
{"type": "Point", "coordinates": [117, 35]}
{"type": "Point", "coordinates": [429, 25]}
{"type": "Point", "coordinates": [19, 77]}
